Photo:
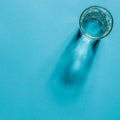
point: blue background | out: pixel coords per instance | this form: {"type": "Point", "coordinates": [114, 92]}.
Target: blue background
{"type": "Point", "coordinates": [33, 35]}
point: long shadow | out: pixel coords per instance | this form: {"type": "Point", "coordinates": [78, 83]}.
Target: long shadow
{"type": "Point", "coordinates": [72, 69]}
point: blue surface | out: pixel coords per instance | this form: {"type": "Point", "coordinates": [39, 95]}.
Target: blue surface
{"type": "Point", "coordinates": [33, 35]}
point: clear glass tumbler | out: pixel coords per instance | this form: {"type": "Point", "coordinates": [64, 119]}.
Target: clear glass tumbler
{"type": "Point", "coordinates": [95, 23]}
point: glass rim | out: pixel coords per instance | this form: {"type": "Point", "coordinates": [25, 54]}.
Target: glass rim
{"type": "Point", "coordinates": [105, 12]}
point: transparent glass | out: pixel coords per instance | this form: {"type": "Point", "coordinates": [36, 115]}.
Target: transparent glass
{"type": "Point", "coordinates": [95, 23]}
